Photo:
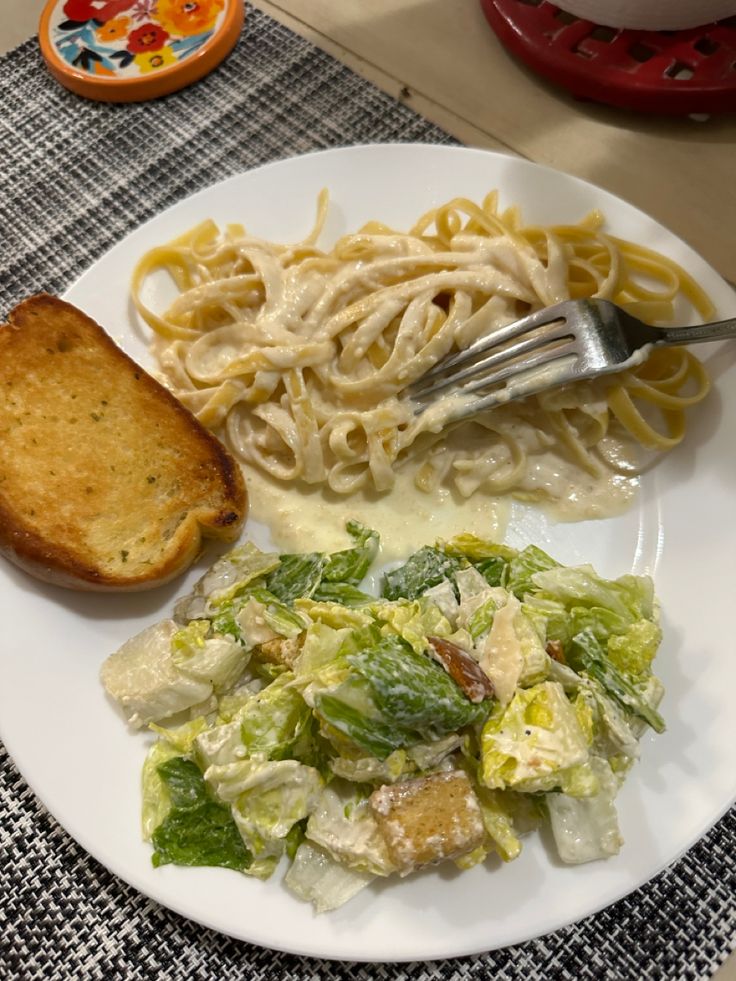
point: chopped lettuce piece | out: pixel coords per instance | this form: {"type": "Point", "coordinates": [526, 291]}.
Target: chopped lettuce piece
{"type": "Point", "coordinates": [268, 799]}
{"type": "Point", "coordinates": [525, 567]}
{"type": "Point", "coordinates": [219, 744]}
{"type": "Point", "coordinates": [376, 690]}
{"type": "Point", "coordinates": [322, 664]}
{"type": "Point", "coordinates": [144, 679]}
{"type": "Point", "coordinates": [261, 617]}
{"type": "Point", "coordinates": [443, 597]}
{"type": "Point", "coordinates": [586, 829]}
{"type": "Point", "coordinates": [342, 823]}
{"type": "Point", "coordinates": [296, 575]}
{"type": "Point", "coordinates": [229, 576]}
{"type": "Point", "coordinates": [333, 614]}
{"type": "Point", "coordinates": [534, 743]}
{"type": "Point", "coordinates": [272, 721]}
{"type": "Point", "coordinates": [629, 597]}
{"type": "Point", "coordinates": [414, 621]}
{"type": "Point", "coordinates": [480, 621]}
{"type": "Point", "coordinates": [478, 549]}
{"type": "Point", "coordinates": [472, 588]}
{"type": "Point", "coordinates": [196, 830]}
{"type": "Point", "coordinates": [429, 755]}
{"type": "Point", "coordinates": [370, 770]}
{"type": "Point", "coordinates": [426, 568]}
{"type": "Point", "coordinates": [217, 660]}
{"type": "Point", "coordinates": [156, 801]}
{"type": "Point", "coordinates": [179, 741]}
{"type": "Point", "coordinates": [351, 565]}
{"type": "Point", "coordinates": [498, 822]}
{"type": "Point", "coordinates": [341, 592]}
{"type": "Point", "coordinates": [371, 734]}
{"type": "Point", "coordinates": [586, 654]}
{"type": "Point", "coordinates": [494, 570]}
{"type": "Point", "coordinates": [278, 616]}
{"type": "Point", "coordinates": [317, 878]}
{"type": "Point", "coordinates": [633, 651]}
{"type": "Point", "coordinates": [412, 690]}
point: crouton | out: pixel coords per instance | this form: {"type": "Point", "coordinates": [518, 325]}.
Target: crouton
{"type": "Point", "coordinates": [429, 819]}
{"type": "Point", "coordinates": [283, 650]}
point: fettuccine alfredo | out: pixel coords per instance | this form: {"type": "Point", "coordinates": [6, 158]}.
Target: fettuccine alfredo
{"type": "Point", "coordinates": [300, 355]}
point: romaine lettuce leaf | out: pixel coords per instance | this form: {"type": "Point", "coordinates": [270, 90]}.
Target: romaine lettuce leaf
{"type": "Point", "coordinates": [271, 722]}
{"type": "Point", "coordinates": [268, 799]}
{"type": "Point", "coordinates": [586, 829]}
{"type": "Point", "coordinates": [156, 802]}
{"type": "Point", "coordinates": [497, 809]}
{"type": "Point", "coordinates": [414, 621]}
{"type": "Point", "coordinates": [411, 690]}
{"type": "Point", "coordinates": [219, 744]}
{"type": "Point", "coordinates": [494, 570]}
{"type": "Point", "coordinates": [317, 878]}
{"type": "Point", "coordinates": [144, 679]}
{"type": "Point", "coordinates": [478, 549]}
{"type": "Point", "coordinates": [296, 575]}
{"type": "Point", "coordinates": [525, 567]}
{"type": "Point", "coordinates": [370, 770]}
{"type": "Point", "coordinates": [322, 664]}
{"type": "Point", "coordinates": [586, 654]}
{"type": "Point", "coordinates": [217, 660]}
{"type": "Point", "coordinates": [342, 823]}
{"type": "Point", "coordinates": [629, 597]}
{"type": "Point", "coordinates": [351, 565]}
{"type": "Point", "coordinates": [197, 830]}
{"type": "Point", "coordinates": [179, 741]}
{"type": "Point", "coordinates": [341, 592]}
{"type": "Point", "coordinates": [535, 743]}
{"type": "Point", "coordinates": [424, 569]}
{"type": "Point", "coordinates": [443, 597]}
{"type": "Point", "coordinates": [633, 651]}
{"type": "Point", "coordinates": [229, 576]}
{"type": "Point", "coordinates": [366, 731]}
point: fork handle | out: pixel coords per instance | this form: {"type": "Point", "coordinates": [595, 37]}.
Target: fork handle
{"type": "Point", "coordinates": [695, 335]}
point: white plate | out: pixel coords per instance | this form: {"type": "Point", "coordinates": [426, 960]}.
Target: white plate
{"type": "Point", "coordinates": [76, 754]}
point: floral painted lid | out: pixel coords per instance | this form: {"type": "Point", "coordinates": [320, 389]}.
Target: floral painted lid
{"type": "Point", "coordinates": [131, 50]}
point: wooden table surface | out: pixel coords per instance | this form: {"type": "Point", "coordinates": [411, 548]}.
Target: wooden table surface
{"type": "Point", "coordinates": [441, 57]}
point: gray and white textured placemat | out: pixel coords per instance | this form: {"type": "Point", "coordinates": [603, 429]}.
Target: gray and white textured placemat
{"type": "Point", "coordinates": [75, 177]}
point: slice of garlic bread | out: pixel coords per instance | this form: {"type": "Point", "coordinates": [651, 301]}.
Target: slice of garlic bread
{"type": "Point", "coordinates": [106, 481]}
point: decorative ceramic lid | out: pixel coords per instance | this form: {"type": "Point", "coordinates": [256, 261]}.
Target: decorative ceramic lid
{"type": "Point", "coordinates": [132, 50]}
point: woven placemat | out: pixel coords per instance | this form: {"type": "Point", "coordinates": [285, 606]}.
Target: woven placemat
{"type": "Point", "coordinates": [75, 177]}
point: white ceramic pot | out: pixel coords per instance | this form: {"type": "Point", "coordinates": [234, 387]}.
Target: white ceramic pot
{"type": "Point", "coordinates": [650, 15]}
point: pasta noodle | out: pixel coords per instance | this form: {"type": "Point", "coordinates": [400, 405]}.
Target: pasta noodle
{"type": "Point", "coordinates": [300, 356]}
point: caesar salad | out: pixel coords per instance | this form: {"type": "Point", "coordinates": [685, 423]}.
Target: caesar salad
{"type": "Point", "coordinates": [301, 719]}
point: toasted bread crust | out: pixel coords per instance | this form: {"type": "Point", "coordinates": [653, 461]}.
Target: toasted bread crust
{"type": "Point", "coordinates": [106, 480]}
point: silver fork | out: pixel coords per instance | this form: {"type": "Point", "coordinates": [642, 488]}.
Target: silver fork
{"type": "Point", "coordinates": [571, 341]}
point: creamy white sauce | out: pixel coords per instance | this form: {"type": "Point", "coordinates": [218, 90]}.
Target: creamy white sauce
{"type": "Point", "coordinates": [568, 494]}
{"type": "Point", "coordinates": [301, 518]}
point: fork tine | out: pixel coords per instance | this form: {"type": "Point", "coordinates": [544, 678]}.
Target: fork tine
{"type": "Point", "coordinates": [431, 384]}
{"type": "Point", "coordinates": [536, 381]}
{"type": "Point", "coordinates": [507, 333]}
